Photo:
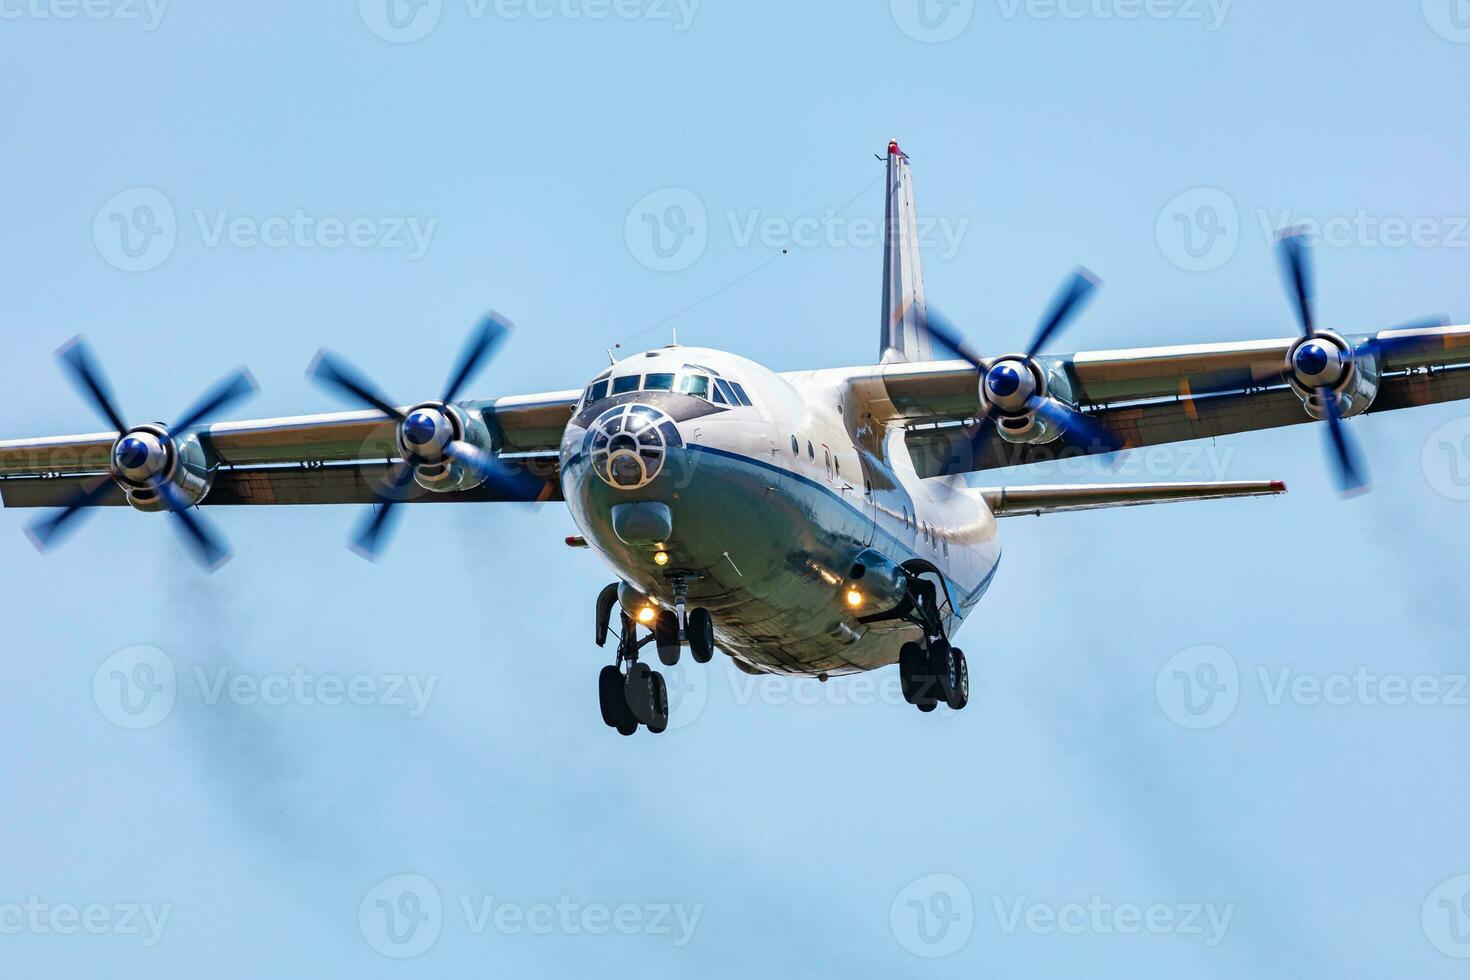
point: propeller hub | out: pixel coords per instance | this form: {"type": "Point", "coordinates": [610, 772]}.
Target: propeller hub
{"type": "Point", "coordinates": [1317, 361]}
{"type": "Point", "coordinates": [140, 455]}
{"type": "Point", "coordinates": [1004, 380]}
{"type": "Point", "coordinates": [1009, 385]}
{"type": "Point", "coordinates": [425, 432]}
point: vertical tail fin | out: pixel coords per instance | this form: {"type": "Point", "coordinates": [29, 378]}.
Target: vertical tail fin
{"type": "Point", "coordinates": [903, 280]}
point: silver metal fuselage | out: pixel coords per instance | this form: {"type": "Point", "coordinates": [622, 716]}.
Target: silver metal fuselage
{"type": "Point", "coordinates": [771, 503]}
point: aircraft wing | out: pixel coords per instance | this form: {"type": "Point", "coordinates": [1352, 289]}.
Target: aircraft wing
{"type": "Point", "coordinates": [339, 457]}
{"type": "Point", "coordinates": [1155, 396]}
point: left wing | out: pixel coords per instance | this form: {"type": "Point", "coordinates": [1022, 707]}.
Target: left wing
{"type": "Point", "coordinates": [1155, 396]}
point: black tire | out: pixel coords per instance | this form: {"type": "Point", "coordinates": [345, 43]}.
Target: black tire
{"type": "Point", "coordinates": [701, 633]}
{"type": "Point", "coordinates": [961, 694]}
{"type": "Point", "coordinates": [927, 706]}
{"type": "Point", "coordinates": [666, 637]}
{"type": "Point", "coordinates": [660, 705]}
{"type": "Point", "coordinates": [910, 664]}
{"type": "Point", "coordinates": [640, 692]}
{"type": "Point", "coordinates": [943, 667]}
{"type": "Point", "coordinates": [628, 727]}
{"type": "Point", "coordinates": [610, 697]}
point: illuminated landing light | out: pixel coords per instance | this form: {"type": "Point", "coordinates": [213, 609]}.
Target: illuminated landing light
{"type": "Point", "coordinates": [854, 598]}
{"type": "Point", "coordinates": [660, 558]}
{"type": "Point", "coordinates": [646, 615]}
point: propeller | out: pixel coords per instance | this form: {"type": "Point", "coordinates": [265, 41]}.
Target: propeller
{"type": "Point", "coordinates": [427, 434]}
{"type": "Point", "coordinates": [1315, 357]}
{"type": "Point", "coordinates": [142, 457]}
{"type": "Point", "coordinates": [1010, 385]}
{"type": "Point", "coordinates": [1319, 361]}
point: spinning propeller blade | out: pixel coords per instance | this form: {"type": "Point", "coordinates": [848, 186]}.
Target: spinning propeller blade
{"type": "Point", "coordinates": [372, 534]}
{"type": "Point", "coordinates": [1075, 428]}
{"type": "Point", "coordinates": [430, 434]}
{"type": "Point", "coordinates": [80, 366]}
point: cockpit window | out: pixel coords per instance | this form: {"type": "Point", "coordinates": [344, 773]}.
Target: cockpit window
{"type": "Point", "coordinates": [700, 382]}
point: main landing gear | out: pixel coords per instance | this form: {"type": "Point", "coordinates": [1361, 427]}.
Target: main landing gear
{"type": "Point", "coordinates": [629, 692]}
{"type": "Point", "coordinates": [932, 672]}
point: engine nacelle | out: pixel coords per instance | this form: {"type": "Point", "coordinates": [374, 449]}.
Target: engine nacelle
{"type": "Point", "coordinates": [146, 454]}
{"type": "Point", "coordinates": [425, 433]}
{"type": "Point", "coordinates": [1326, 360]}
{"type": "Point", "coordinates": [1006, 391]}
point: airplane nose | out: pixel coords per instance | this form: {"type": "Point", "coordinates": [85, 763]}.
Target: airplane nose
{"type": "Point", "coordinates": [628, 445]}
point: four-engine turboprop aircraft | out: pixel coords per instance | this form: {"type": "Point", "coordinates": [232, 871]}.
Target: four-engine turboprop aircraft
{"type": "Point", "coordinates": [808, 523]}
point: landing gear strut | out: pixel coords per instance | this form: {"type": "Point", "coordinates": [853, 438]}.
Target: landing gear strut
{"type": "Point", "coordinates": [932, 672]}
{"type": "Point", "coordinates": [629, 692]}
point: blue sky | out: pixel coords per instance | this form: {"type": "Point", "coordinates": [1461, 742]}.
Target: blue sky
{"type": "Point", "coordinates": [321, 175]}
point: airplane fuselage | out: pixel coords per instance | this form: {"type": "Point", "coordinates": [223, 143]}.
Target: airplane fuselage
{"type": "Point", "coordinates": [768, 505]}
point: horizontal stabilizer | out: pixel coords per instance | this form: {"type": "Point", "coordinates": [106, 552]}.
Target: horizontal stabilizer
{"type": "Point", "coordinates": [1026, 501]}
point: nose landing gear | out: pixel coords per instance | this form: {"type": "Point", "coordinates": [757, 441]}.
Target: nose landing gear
{"type": "Point", "coordinates": [629, 692]}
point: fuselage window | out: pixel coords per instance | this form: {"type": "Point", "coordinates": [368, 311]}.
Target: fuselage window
{"type": "Point", "coordinates": [695, 384]}
{"type": "Point", "coordinates": [795, 447]}
{"type": "Point", "coordinates": [740, 393]}
{"type": "Point", "coordinates": [658, 382]}
{"type": "Point", "coordinates": [625, 384]}
{"type": "Point", "coordinates": [811, 453]}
